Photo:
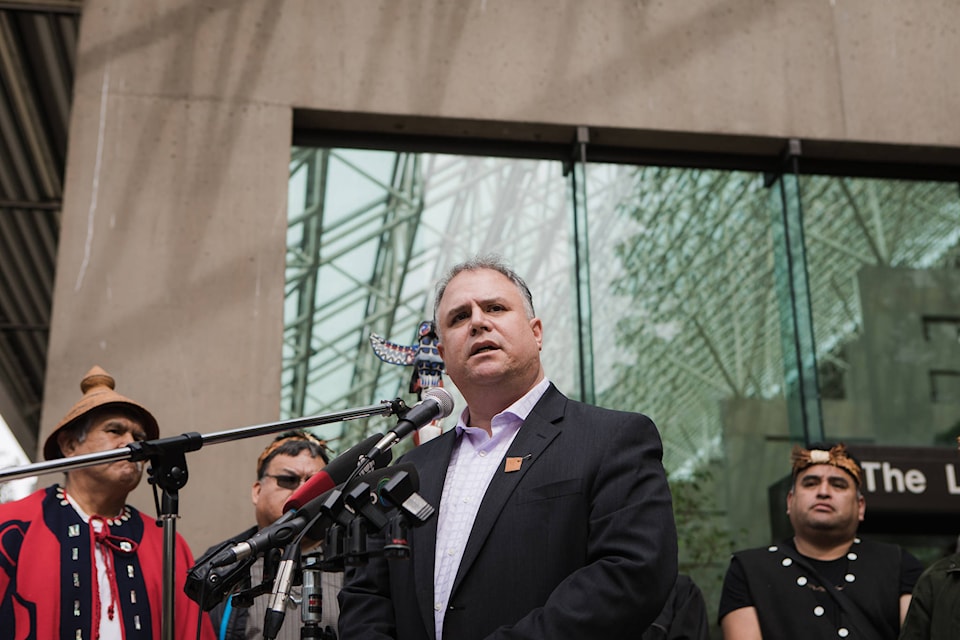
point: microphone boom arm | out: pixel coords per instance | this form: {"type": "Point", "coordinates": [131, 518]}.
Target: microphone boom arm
{"type": "Point", "coordinates": [143, 450]}
{"type": "Point", "coordinates": [168, 470]}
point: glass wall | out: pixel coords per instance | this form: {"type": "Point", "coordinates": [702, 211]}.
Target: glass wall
{"type": "Point", "coordinates": [689, 315]}
{"type": "Point", "coordinates": [885, 273]}
{"type": "Point", "coordinates": [742, 312]}
{"type": "Point", "coordinates": [370, 234]}
{"type": "Point", "coordinates": [884, 269]}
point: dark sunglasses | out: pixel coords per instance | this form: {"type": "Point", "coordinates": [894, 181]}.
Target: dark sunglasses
{"type": "Point", "coordinates": [286, 481]}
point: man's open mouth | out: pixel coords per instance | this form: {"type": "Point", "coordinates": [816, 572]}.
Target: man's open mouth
{"type": "Point", "coordinates": [483, 349]}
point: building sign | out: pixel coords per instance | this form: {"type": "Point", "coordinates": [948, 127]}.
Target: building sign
{"type": "Point", "coordinates": [910, 479]}
{"type": "Point", "coordinates": [908, 490]}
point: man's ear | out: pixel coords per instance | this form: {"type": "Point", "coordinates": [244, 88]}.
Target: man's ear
{"type": "Point", "coordinates": [536, 325]}
{"type": "Point", "coordinates": [66, 442]}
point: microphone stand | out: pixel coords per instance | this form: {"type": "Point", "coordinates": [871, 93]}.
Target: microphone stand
{"type": "Point", "coordinates": [168, 471]}
{"type": "Point", "coordinates": [311, 607]}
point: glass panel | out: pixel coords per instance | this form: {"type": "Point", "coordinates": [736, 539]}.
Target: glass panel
{"type": "Point", "coordinates": [579, 201]}
{"type": "Point", "coordinates": [885, 284]}
{"type": "Point", "coordinates": [372, 231]}
{"type": "Point", "coordinates": [687, 331]}
{"type": "Point", "coordinates": [796, 324]}
{"type": "Point", "coordinates": [885, 288]}
{"type": "Point", "coordinates": [690, 310]}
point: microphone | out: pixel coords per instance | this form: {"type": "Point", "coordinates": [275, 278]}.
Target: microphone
{"type": "Point", "coordinates": [208, 585]}
{"type": "Point", "coordinates": [308, 503]}
{"type": "Point", "coordinates": [337, 472]}
{"type": "Point", "coordinates": [401, 491]}
{"type": "Point", "coordinates": [361, 499]}
{"type": "Point", "coordinates": [437, 403]}
{"type": "Point", "coordinates": [356, 494]}
{"type": "Point", "coordinates": [282, 583]}
{"type": "Point", "coordinates": [340, 505]}
{"type": "Point", "coordinates": [311, 604]}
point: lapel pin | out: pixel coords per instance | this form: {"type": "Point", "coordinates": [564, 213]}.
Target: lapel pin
{"type": "Point", "coordinates": [514, 463]}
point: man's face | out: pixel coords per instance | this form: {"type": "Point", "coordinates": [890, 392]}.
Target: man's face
{"type": "Point", "coordinates": [486, 337]}
{"type": "Point", "coordinates": [825, 500]}
{"type": "Point", "coordinates": [281, 477]}
{"type": "Point", "coordinates": [109, 430]}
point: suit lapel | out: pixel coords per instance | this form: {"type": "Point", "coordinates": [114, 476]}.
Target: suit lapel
{"type": "Point", "coordinates": [433, 472]}
{"type": "Point", "coordinates": [538, 430]}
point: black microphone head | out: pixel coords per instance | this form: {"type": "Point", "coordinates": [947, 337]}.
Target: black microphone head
{"type": "Point", "coordinates": [378, 478]}
{"type": "Point", "coordinates": [401, 492]}
{"type": "Point", "coordinates": [363, 494]}
{"type": "Point", "coordinates": [404, 472]}
{"type": "Point", "coordinates": [208, 585]}
{"type": "Point", "coordinates": [403, 483]}
{"type": "Point", "coordinates": [342, 467]}
{"type": "Point", "coordinates": [335, 473]}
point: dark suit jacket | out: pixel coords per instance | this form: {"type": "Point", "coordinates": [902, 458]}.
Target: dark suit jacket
{"type": "Point", "coordinates": [684, 617]}
{"type": "Point", "coordinates": [579, 543]}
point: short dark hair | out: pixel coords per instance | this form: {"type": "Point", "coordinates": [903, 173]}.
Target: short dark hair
{"type": "Point", "coordinates": [492, 262]}
{"type": "Point", "coordinates": [292, 443]}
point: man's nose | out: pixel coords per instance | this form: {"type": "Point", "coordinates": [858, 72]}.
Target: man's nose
{"type": "Point", "coordinates": [478, 320]}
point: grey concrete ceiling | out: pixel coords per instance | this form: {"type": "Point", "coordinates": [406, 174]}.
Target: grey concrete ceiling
{"type": "Point", "coordinates": [38, 41]}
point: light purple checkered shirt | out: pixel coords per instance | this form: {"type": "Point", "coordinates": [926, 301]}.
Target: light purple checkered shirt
{"type": "Point", "coordinates": [475, 459]}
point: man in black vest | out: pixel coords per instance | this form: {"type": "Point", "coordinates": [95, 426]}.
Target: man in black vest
{"type": "Point", "coordinates": [825, 582]}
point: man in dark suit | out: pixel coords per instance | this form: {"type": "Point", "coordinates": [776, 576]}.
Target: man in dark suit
{"type": "Point", "coordinates": [554, 517]}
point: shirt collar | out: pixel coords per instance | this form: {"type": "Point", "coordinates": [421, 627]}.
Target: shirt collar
{"type": "Point", "coordinates": [518, 411]}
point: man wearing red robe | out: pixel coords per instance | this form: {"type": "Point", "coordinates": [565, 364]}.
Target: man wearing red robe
{"type": "Point", "coordinates": [75, 560]}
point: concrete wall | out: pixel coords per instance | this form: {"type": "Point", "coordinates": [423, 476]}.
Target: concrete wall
{"type": "Point", "coordinates": [170, 272]}
{"type": "Point", "coordinates": [901, 356]}
{"type": "Point", "coordinates": [887, 389]}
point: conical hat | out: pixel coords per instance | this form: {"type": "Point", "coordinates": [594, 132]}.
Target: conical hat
{"type": "Point", "coordinates": [97, 387]}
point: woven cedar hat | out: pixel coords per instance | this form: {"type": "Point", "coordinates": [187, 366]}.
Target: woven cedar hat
{"type": "Point", "coordinates": [97, 387]}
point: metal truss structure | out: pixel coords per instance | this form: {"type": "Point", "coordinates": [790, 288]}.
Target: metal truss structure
{"type": "Point", "coordinates": [366, 246]}
{"type": "Point", "coordinates": [684, 307]}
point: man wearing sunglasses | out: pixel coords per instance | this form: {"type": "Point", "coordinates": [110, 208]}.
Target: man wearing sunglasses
{"type": "Point", "coordinates": [286, 463]}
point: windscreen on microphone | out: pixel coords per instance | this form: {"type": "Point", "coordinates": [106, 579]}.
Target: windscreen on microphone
{"type": "Point", "coordinates": [362, 496]}
{"type": "Point", "coordinates": [437, 403]}
{"type": "Point", "coordinates": [336, 472]}
{"type": "Point", "coordinates": [401, 492]}
{"type": "Point", "coordinates": [404, 470]}
{"type": "Point", "coordinates": [372, 483]}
